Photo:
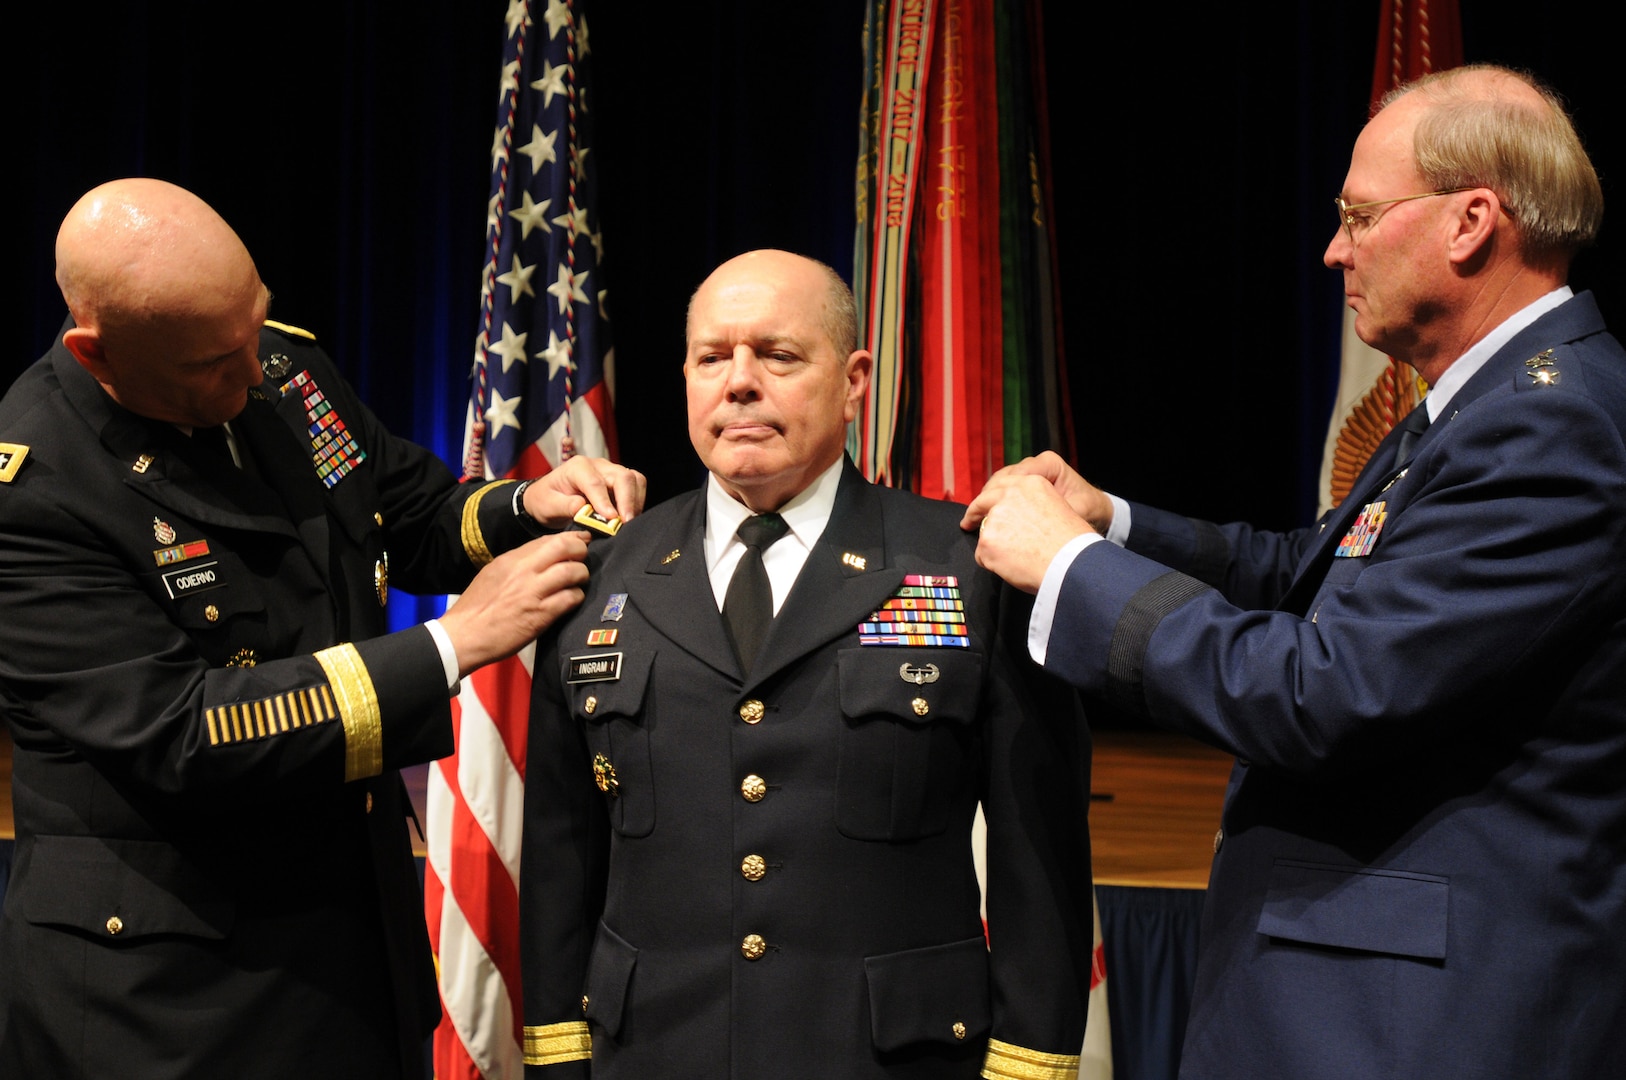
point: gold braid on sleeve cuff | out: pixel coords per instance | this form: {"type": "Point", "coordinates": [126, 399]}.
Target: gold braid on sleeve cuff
{"type": "Point", "coordinates": [474, 540]}
{"type": "Point", "coordinates": [1007, 1062]}
{"type": "Point", "coordinates": [552, 1044]}
{"type": "Point", "coordinates": [357, 701]}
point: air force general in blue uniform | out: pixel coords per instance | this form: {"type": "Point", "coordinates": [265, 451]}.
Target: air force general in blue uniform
{"type": "Point", "coordinates": [1422, 867]}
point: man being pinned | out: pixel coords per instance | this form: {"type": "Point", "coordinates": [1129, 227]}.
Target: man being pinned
{"type": "Point", "coordinates": [1422, 870]}
{"type": "Point", "coordinates": [747, 823]}
{"type": "Point", "coordinates": [213, 875]}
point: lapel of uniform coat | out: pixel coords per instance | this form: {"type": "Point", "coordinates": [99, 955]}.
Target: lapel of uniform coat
{"type": "Point", "coordinates": [674, 591]}
{"type": "Point", "coordinates": [1569, 321]}
{"type": "Point", "coordinates": [846, 577]}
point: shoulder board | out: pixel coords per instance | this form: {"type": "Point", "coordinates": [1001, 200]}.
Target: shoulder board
{"type": "Point", "coordinates": [293, 330]}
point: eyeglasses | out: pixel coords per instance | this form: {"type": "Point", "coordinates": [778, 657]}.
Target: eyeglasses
{"type": "Point", "coordinates": [1349, 221]}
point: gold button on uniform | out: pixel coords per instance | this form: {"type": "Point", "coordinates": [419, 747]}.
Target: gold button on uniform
{"type": "Point", "coordinates": [754, 788]}
{"type": "Point", "coordinates": [754, 867]}
{"type": "Point", "coordinates": [751, 712]}
{"type": "Point", "coordinates": [211, 613]}
{"type": "Point", "coordinates": [378, 518]}
{"type": "Point", "coordinates": [584, 1003]}
{"type": "Point", "coordinates": [920, 706]}
{"type": "Point", "coordinates": [369, 802]}
{"type": "Point", "coordinates": [959, 1030]}
{"type": "Point", "coordinates": [1219, 840]}
{"type": "Point", "coordinates": [753, 947]}
{"type": "Point", "coordinates": [114, 924]}
{"type": "Point", "coordinates": [589, 705]}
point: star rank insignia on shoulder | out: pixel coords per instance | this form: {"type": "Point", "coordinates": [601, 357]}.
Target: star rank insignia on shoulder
{"type": "Point", "coordinates": [925, 610]}
{"type": "Point", "coordinates": [1543, 369]}
{"type": "Point", "coordinates": [11, 459]}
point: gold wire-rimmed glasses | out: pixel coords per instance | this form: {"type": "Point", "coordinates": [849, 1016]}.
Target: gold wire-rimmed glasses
{"type": "Point", "coordinates": [1348, 219]}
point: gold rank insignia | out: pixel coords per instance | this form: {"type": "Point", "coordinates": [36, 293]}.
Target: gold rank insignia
{"type": "Point", "coordinates": [1543, 369]}
{"type": "Point", "coordinates": [11, 459]}
{"type": "Point", "coordinates": [592, 519]}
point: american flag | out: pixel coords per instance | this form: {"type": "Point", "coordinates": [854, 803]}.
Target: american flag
{"type": "Point", "coordinates": [541, 390]}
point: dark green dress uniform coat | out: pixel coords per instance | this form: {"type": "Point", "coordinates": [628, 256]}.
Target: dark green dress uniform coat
{"type": "Point", "coordinates": [777, 879]}
{"type": "Point", "coordinates": [213, 876]}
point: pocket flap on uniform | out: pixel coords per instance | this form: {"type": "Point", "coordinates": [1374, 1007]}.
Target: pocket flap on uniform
{"type": "Point", "coordinates": [936, 994]}
{"type": "Point", "coordinates": [602, 684]}
{"type": "Point", "coordinates": [917, 685]}
{"type": "Point", "coordinates": [117, 889]}
{"type": "Point", "coordinates": [609, 974]}
{"type": "Point", "coordinates": [1381, 911]}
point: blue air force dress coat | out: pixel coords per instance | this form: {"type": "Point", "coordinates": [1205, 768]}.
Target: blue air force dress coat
{"type": "Point", "coordinates": [772, 875]}
{"type": "Point", "coordinates": [1422, 870]}
{"type": "Point", "coordinates": [213, 875]}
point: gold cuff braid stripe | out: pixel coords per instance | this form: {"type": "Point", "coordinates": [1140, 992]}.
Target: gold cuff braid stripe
{"type": "Point", "coordinates": [1007, 1062]}
{"type": "Point", "coordinates": [551, 1044]}
{"type": "Point", "coordinates": [358, 709]}
{"type": "Point", "coordinates": [474, 541]}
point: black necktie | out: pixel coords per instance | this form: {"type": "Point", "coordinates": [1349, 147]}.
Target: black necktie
{"type": "Point", "coordinates": [215, 442]}
{"type": "Point", "coordinates": [748, 604]}
{"type": "Point", "coordinates": [1411, 429]}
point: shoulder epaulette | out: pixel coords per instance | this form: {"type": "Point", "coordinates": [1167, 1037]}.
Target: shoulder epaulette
{"type": "Point", "coordinates": [294, 330]}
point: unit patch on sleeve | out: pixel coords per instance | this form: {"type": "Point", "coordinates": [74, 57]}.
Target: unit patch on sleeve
{"type": "Point", "coordinates": [926, 610]}
{"type": "Point", "coordinates": [333, 449]}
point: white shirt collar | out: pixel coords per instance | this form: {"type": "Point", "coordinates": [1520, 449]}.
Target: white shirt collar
{"type": "Point", "coordinates": [807, 514]}
{"type": "Point", "coordinates": [1457, 375]}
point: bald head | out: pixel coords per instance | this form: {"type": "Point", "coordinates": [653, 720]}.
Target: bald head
{"type": "Point", "coordinates": [772, 374]}
{"type": "Point", "coordinates": [167, 302]}
{"type": "Point", "coordinates": [838, 313]}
